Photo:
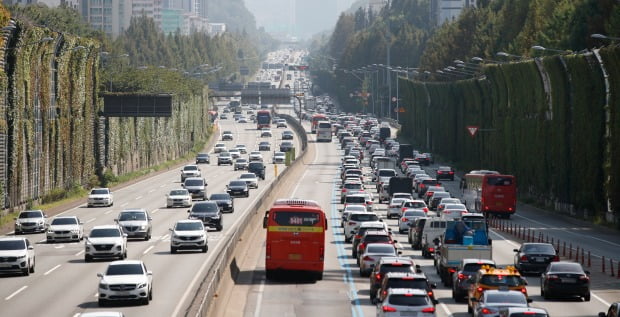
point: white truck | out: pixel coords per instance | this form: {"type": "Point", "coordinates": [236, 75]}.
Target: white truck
{"type": "Point", "coordinates": [461, 240]}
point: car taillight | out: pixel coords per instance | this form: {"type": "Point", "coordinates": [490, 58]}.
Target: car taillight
{"type": "Point", "coordinates": [451, 173]}
{"type": "Point", "coordinates": [451, 270]}
{"type": "Point", "coordinates": [378, 276]}
{"type": "Point", "coordinates": [367, 258]}
{"type": "Point", "coordinates": [422, 185]}
{"type": "Point", "coordinates": [425, 209]}
{"type": "Point", "coordinates": [351, 223]}
{"type": "Point", "coordinates": [357, 236]}
{"type": "Point", "coordinates": [461, 276]}
{"type": "Point", "coordinates": [552, 277]}
{"type": "Point", "coordinates": [480, 289]}
{"type": "Point", "coordinates": [486, 311]}
{"type": "Point", "coordinates": [431, 249]}
{"type": "Point", "coordinates": [556, 258]}
{"type": "Point", "coordinates": [428, 310]}
{"type": "Point", "coordinates": [430, 294]}
{"type": "Point", "coordinates": [524, 290]}
{"type": "Point", "coordinates": [404, 219]}
{"type": "Point", "coordinates": [524, 258]}
{"type": "Point", "coordinates": [388, 309]}
{"type": "Point", "coordinates": [369, 202]}
{"type": "Point", "coordinates": [403, 209]}
{"type": "Point", "coordinates": [344, 190]}
{"type": "Point", "coordinates": [584, 278]}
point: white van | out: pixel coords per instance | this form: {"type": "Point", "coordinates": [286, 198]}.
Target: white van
{"type": "Point", "coordinates": [433, 229]}
{"type": "Point", "coordinates": [324, 131]}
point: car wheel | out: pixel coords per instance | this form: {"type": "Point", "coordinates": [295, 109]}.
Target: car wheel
{"type": "Point", "coordinates": [401, 231]}
{"type": "Point", "coordinates": [219, 228]}
{"type": "Point", "coordinates": [586, 297]}
{"type": "Point", "coordinates": [102, 302]}
{"type": "Point", "coordinates": [124, 256]}
{"type": "Point", "coordinates": [87, 258]}
{"type": "Point", "coordinates": [145, 301]}
{"type": "Point", "coordinates": [470, 310]}
{"type": "Point", "coordinates": [151, 294]}
{"type": "Point", "coordinates": [26, 271]}
{"type": "Point", "coordinates": [204, 249]}
{"type": "Point", "coordinates": [173, 250]}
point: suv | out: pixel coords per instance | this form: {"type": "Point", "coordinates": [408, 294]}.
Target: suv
{"type": "Point", "coordinates": [367, 226]}
{"type": "Point", "coordinates": [406, 302]}
{"type": "Point", "coordinates": [136, 223]}
{"type": "Point", "coordinates": [461, 278]}
{"type": "Point", "coordinates": [100, 196]}
{"type": "Point", "coordinates": [390, 264]}
{"type": "Point", "coordinates": [224, 201]}
{"type": "Point", "coordinates": [257, 168]}
{"type": "Point", "coordinates": [188, 234]}
{"type": "Point", "coordinates": [190, 171]}
{"type": "Point", "coordinates": [286, 146]}
{"type": "Point", "coordinates": [264, 146]}
{"type": "Point", "coordinates": [405, 280]}
{"type": "Point", "coordinates": [238, 188]}
{"type": "Point", "coordinates": [224, 158]}
{"type": "Point", "coordinates": [125, 280]}
{"type": "Point", "coordinates": [65, 228]}
{"type": "Point", "coordinates": [445, 172]}
{"type": "Point", "coordinates": [241, 164]}
{"type": "Point", "coordinates": [104, 242]}
{"type": "Point", "coordinates": [227, 135]}
{"type": "Point", "coordinates": [30, 221]}
{"type": "Point", "coordinates": [17, 254]}
{"type": "Point", "coordinates": [203, 158]}
{"type": "Point", "coordinates": [490, 278]}
{"type": "Point", "coordinates": [197, 187]}
{"type": "Point", "coordinates": [425, 184]}
{"type": "Point", "coordinates": [353, 222]}
{"type": "Point", "coordinates": [208, 212]}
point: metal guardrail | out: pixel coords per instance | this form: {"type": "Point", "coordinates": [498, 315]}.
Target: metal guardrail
{"type": "Point", "coordinates": [199, 306]}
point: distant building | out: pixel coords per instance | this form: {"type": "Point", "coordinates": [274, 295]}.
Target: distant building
{"type": "Point", "coordinates": [217, 28]}
{"type": "Point", "coordinates": [110, 16]}
{"type": "Point", "coordinates": [448, 10]}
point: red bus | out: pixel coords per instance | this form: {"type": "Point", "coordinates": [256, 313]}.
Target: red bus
{"type": "Point", "coordinates": [315, 121]}
{"type": "Point", "coordinates": [263, 119]}
{"type": "Point", "coordinates": [295, 237]}
{"type": "Point", "coordinates": [490, 192]}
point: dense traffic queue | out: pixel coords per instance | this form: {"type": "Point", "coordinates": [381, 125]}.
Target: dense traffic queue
{"type": "Point", "coordinates": [450, 230]}
{"type": "Point", "coordinates": [129, 279]}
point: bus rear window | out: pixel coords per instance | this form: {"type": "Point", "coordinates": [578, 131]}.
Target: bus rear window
{"type": "Point", "coordinates": [295, 218]}
{"type": "Point", "coordinates": [324, 125]}
{"type": "Point", "coordinates": [499, 181]}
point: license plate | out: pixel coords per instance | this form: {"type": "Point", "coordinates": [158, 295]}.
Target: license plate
{"type": "Point", "coordinates": [540, 260]}
{"type": "Point", "coordinates": [408, 313]}
{"type": "Point", "coordinates": [5, 265]}
{"type": "Point", "coordinates": [499, 203]}
{"type": "Point", "coordinates": [294, 256]}
{"type": "Point", "coordinates": [569, 280]}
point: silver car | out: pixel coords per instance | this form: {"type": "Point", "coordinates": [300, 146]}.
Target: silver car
{"type": "Point", "coordinates": [136, 223]}
{"type": "Point", "coordinates": [250, 179]}
{"type": "Point", "coordinates": [188, 234]}
{"type": "Point", "coordinates": [492, 301]}
{"type": "Point", "coordinates": [30, 221]}
{"type": "Point", "coordinates": [394, 208]}
{"type": "Point", "coordinates": [190, 171]}
{"type": "Point", "coordinates": [372, 254]}
{"type": "Point", "coordinates": [406, 302]}
{"type": "Point", "coordinates": [408, 217]}
{"type": "Point", "coordinates": [178, 197]}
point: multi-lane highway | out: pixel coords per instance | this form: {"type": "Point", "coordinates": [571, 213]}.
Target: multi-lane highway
{"type": "Point", "coordinates": [343, 293]}
{"type": "Point", "coordinates": [64, 285]}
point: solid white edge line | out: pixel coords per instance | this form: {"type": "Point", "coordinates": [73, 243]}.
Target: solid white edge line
{"type": "Point", "coordinates": [16, 292]}
{"type": "Point", "coordinates": [125, 204]}
{"type": "Point", "coordinates": [154, 211]}
{"type": "Point", "coordinates": [259, 298]}
{"type": "Point", "coordinates": [164, 237]}
{"type": "Point", "coordinates": [445, 309]}
{"type": "Point", "coordinates": [600, 299]}
{"type": "Point", "coordinates": [108, 212]}
{"type": "Point", "coordinates": [148, 249]}
{"type": "Point", "coordinates": [52, 269]}
{"type": "Point", "coordinates": [139, 197]}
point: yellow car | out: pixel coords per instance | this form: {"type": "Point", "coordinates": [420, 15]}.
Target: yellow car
{"type": "Point", "coordinates": [488, 277]}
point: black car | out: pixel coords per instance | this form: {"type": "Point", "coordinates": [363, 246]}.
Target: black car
{"type": "Point", "coordinates": [287, 135]}
{"type": "Point", "coordinates": [257, 168]}
{"type": "Point", "coordinates": [264, 146]}
{"type": "Point", "coordinates": [565, 279]}
{"type": "Point", "coordinates": [534, 257]}
{"type": "Point", "coordinates": [238, 188]}
{"type": "Point", "coordinates": [203, 158]}
{"type": "Point", "coordinates": [286, 146]}
{"type": "Point", "coordinates": [224, 201]}
{"type": "Point", "coordinates": [445, 172]}
{"type": "Point", "coordinates": [612, 311]}
{"type": "Point", "coordinates": [208, 212]}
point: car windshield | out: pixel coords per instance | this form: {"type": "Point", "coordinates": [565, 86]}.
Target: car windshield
{"type": "Point", "coordinates": [413, 214]}
{"type": "Point", "coordinates": [539, 248]}
{"type": "Point", "coordinates": [64, 221]}
{"type": "Point", "coordinates": [125, 269]}
{"type": "Point", "coordinates": [8, 245]}
{"type": "Point", "coordinates": [203, 155]}
{"type": "Point", "coordinates": [415, 283]}
{"type": "Point", "coordinates": [355, 200]}
{"type": "Point", "coordinates": [190, 168]}
{"type": "Point", "coordinates": [397, 201]}
{"type": "Point", "coordinates": [219, 197]}
{"type": "Point", "coordinates": [99, 192]}
{"type": "Point", "coordinates": [387, 173]}
{"type": "Point", "coordinates": [474, 267]}
{"type": "Point", "coordinates": [105, 233]}
{"type": "Point", "coordinates": [132, 215]}
{"type": "Point", "coordinates": [501, 280]}
{"type": "Point", "coordinates": [178, 192]}
{"type": "Point", "coordinates": [382, 248]}
{"type": "Point", "coordinates": [246, 176]}
{"type": "Point", "coordinates": [566, 267]}
{"type": "Point", "coordinates": [505, 298]}
{"type": "Point", "coordinates": [455, 206]}
{"type": "Point", "coordinates": [241, 160]}
{"type": "Point", "coordinates": [31, 214]}
{"type": "Point", "coordinates": [364, 217]}
{"type": "Point", "coordinates": [355, 208]}
{"type": "Point", "coordinates": [409, 300]}
{"type": "Point", "coordinates": [188, 226]}
{"type": "Point", "coordinates": [237, 183]}
{"type": "Point", "coordinates": [194, 182]}
{"type": "Point", "coordinates": [353, 186]}
{"type": "Point", "coordinates": [205, 207]}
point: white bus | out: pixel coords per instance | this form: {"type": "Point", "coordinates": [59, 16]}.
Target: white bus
{"type": "Point", "coordinates": [324, 132]}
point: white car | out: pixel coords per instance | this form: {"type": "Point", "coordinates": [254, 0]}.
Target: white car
{"type": "Point", "coordinates": [408, 217]}
{"type": "Point", "coordinates": [250, 179]}
{"type": "Point", "coordinates": [178, 197]}
{"type": "Point", "coordinates": [30, 221]}
{"type": "Point", "coordinates": [394, 207]}
{"type": "Point", "coordinates": [107, 241]}
{"type": "Point", "coordinates": [100, 197]}
{"type": "Point", "coordinates": [279, 157]}
{"type": "Point", "coordinates": [188, 234]}
{"type": "Point", "coordinates": [191, 170]}
{"type": "Point", "coordinates": [242, 149]}
{"type": "Point", "coordinates": [255, 156]}
{"type": "Point", "coordinates": [65, 228]}
{"type": "Point", "coordinates": [234, 153]}
{"type": "Point", "coordinates": [17, 254]}
{"type": "Point", "coordinates": [266, 133]}
{"type": "Point", "coordinates": [125, 280]}
{"type": "Point", "coordinates": [219, 147]}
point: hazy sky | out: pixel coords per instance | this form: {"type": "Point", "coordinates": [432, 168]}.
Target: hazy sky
{"type": "Point", "coordinates": [309, 16]}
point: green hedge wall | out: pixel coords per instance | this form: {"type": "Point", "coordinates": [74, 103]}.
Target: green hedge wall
{"type": "Point", "coordinates": [554, 141]}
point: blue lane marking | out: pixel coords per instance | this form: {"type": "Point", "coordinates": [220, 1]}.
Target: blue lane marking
{"type": "Point", "coordinates": [356, 309]}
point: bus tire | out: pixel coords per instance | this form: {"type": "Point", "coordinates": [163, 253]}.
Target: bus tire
{"type": "Point", "coordinates": [269, 274]}
{"type": "Point", "coordinates": [319, 276]}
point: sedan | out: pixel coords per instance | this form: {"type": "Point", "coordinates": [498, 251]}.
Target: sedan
{"type": "Point", "coordinates": [372, 254]}
{"type": "Point", "coordinates": [565, 279]}
{"type": "Point", "coordinates": [286, 146]}
{"type": "Point", "coordinates": [407, 219]}
{"type": "Point", "coordinates": [234, 153]}
{"type": "Point", "coordinates": [279, 157]}
{"type": "Point", "coordinates": [492, 301]}
{"type": "Point", "coordinates": [250, 179]}
{"type": "Point", "coordinates": [238, 188]}
{"type": "Point", "coordinates": [264, 146]}
{"type": "Point", "coordinates": [265, 133]}
{"type": "Point", "coordinates": [203, 158]}
{"type": "Point", "coordinates": [534, 257]}
{"type": "Point", "coordinates": [445, 172]}
{"type": "Point", "coordinates": [67, 228]}
{"type": "Point", "coordinates": [178, 197]}
{"type": "Point", "coordinates": [241, 164]}
{"type": "Point", "coordinates": [287, 135]}
{"type": "Point", "coordinates": [219, 147]}
{"type": "Point", "coordinates": [224, 201]}
{"type": "Point", "coordinates": [256, 156]}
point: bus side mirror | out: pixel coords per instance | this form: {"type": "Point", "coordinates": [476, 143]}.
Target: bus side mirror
{"type": "Point", "coordinates": [265, 219]}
